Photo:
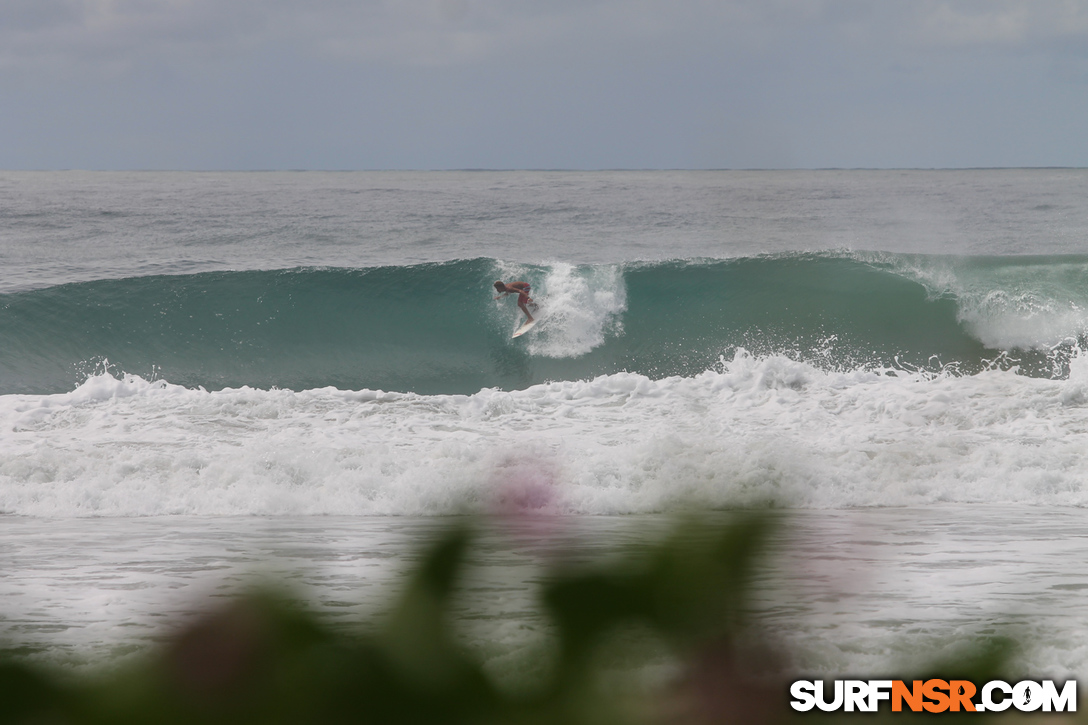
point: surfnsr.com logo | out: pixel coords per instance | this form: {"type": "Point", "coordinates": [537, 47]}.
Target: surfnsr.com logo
{"type": "Point", "coordinates": [934, 696]}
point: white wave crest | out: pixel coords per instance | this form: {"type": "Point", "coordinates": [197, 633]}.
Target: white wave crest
{"type": "Point", "coordinates": [756, 430]}
{"type": "Point", "coordinates": [1007, 304]}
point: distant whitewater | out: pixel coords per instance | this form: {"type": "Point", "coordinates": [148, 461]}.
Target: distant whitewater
{"type": "Point", "coordinates": [434, 328]}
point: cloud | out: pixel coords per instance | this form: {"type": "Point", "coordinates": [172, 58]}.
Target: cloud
{"type": "Point", "coordinates": [74, 36]}
{"type": "Point", "coordinates": [541, 83]}
{"type": "Point", "coordinates": [118, 35]}
{"type": "Point", "coordinates": [1000, 23]}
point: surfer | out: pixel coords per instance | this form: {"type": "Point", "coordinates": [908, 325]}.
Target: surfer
{"type": "Point", "coordinates": [522, 289]}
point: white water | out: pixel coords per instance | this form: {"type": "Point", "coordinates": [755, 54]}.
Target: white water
{"type": "Point", "coordinates": [756, 431]}
{"type": "Point", "coordinates": [578, 308]}
{"type": "Point", "coordinates": [1014, 302]}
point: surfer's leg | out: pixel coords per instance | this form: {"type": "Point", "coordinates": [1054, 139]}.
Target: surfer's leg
{"type": "Point", "coordinates": [525, 310]}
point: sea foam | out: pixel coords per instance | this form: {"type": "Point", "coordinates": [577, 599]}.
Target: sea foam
{"type": "Point", "coordinates": [582, 307]}
{"type": "Point", "coordinates": [755, 431]}
{"type": "Point", "coordinates": [1025, 302]}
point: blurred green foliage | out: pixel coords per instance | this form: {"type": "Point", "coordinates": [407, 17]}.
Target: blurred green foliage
{"type": "Point", "coordinates": [261, 659]}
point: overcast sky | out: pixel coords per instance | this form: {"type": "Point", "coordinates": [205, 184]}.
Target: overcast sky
{"type": "Point", "coordinates": [583, 84]}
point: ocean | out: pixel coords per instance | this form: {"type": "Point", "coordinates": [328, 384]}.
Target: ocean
{"type": "Point", "coordinates": [207, 378]}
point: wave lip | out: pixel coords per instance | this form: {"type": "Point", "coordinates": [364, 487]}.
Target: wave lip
{"type": "Point", "coordinates": [1007, 303]}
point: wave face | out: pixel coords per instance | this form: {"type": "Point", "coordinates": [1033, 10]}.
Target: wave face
{"type": "Point", "coordinates": [434, 328]}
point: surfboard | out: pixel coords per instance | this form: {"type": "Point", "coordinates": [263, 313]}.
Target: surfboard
{"type": "Point", "coordinates": [523, 329]}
